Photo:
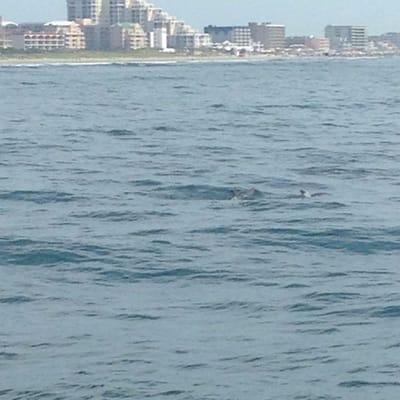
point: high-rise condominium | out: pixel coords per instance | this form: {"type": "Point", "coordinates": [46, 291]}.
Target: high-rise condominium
{"type": "Point", "coordinates": [99, 11]}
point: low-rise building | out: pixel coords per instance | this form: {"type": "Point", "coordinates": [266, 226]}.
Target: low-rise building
{"type": "Point", "coordinates": [391, 37]}
{"type": "Point", "coordinates": [189, 41]}
{"type": "Point", "coordinates": [74, 37]}
{"type": "Point", "coordinates": [45, 41]}
{"type": "Point", "coordinates": [291, 41]}
{"type": "Point", "coordinates": [318, 44]}
{"type": "Point", "coordinates": [53, 35]}
{"type": "Point", "coordinates": [238, 35]}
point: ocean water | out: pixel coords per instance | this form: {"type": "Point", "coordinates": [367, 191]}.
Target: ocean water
{"type": "Point", "coordinates": [153, 243]}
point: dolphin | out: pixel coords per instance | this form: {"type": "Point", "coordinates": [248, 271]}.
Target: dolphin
{"type": "Point", "coordinates": [307, 195]}
{"type": "Point", "coordinates": [245, 194]}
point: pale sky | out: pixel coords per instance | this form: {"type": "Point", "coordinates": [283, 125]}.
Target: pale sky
{"type": "Point", "coordinates": [300, 16]}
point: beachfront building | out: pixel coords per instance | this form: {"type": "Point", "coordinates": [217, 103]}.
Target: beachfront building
{"type": "Point", "coordinates": [270, 36]}
{"type": "Point", "coordinates": [154, 21]}
{"type": "Point", "coordinates": [237, 35]}
{"type": "Point", "coordinates": [267, 35]}
{"type": "Point", "coordinates": [74, 37]}
{"type": "Point", "coordinates": [164, 29]}
{"type": "Point", "coordinates": [55, 35]}
{"type": "Point", "coordinates": [189, 41]}
{"type": "Point", "coordinates": [295, 41]}
{"type": "Point", "coordinates": [127, 36]}
{"type": "Point", "coordinates": [347, 37]}
{"type": "Point", "coordinates": [4, 42]}
{"type": "Point", "coordinates": [318, 44]}
{"type": "Point", "coordinates": [106, 12]}
{"type": "Point", "coordinates": [160, 38]}
{"type": "Point", "coordinates": [44, 41]}
{"type": "Point", "coordinates": [85, 9]}
{"type": "Point", "coordinates": [116, 11]}
{"type": "Point", "coordinates": [97, 37]}
{"type": "Point", "coordinates": [392, 38]}
{"type": "Point", "coordinates": [7, 29]}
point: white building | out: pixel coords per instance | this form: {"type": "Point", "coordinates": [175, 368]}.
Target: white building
{"type": "Point", "coordinates": [7, 33]}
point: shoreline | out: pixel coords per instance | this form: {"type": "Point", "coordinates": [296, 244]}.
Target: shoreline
{"type": "Point", "coordinates": [46, 60]}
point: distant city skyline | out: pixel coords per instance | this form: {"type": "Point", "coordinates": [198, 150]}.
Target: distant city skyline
{"type": "Point", "coordinates": [301, 17]}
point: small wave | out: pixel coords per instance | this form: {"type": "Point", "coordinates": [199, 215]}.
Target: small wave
{"type": "Point", "coordinates": [331, 297]}
{"type": "Point", "coordinates": [334, 125]}
{"type": "Point", "coordinates": [46, 257]}
{"type": "Point", "coordinates": [160, 275]}
{"type": "Point", "coordinates": [170, 393]}
{"type": "Point", "coordinates": [120, 132]}
{"type": "Point", "coordinates": [286, 106]}
{"type": "Point", "coordinates": [18, 120]}
{"type": "Point", "coordinates": [150, 232]}
{"type": "Point", "coordinates": [8, 356]}
{"type": "Point", "coordinates": [193, 366]}
{"type": "Point", "coordinates": [137, 317]}
{"type": "Point", "coordinates": [296, 286]}
{"type": "Point", "coordinates": [219, 230]}
{"type": "Point", "coordinates": [215, 129]}
{"type": "Point", "coordinates": [195, 192]}
{"type": "Point", "coordinates": [40, 345]}
{"type": "Point", "coordinates": [346, 173]}
{"type": "Point", "coordinates": [328, 331]}
{"type": "Point", "coordinates": [38, 197]}
{"type": "Point", "coordinates": [146, 183]}
{"type": "Point", "coordinates": [165, 128]}
{"type": "Point", "coordinates": [304, 307]}
{"type": "Point", "coordinates": [15, 300]}
{"type": "Point", "coordinates": [112, 216]}
{"type": "Point", "coordinates": [251, 307]}
{"type": "Point", "coordinates": [359, 384]}
{"type": "Point", "coordinates": [387, 312]}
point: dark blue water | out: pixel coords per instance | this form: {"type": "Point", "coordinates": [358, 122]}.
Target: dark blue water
{"type": "Point", "coordinates": [137, 262]}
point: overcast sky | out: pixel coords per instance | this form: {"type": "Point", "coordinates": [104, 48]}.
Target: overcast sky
{"type": "Point", "coordinates": [300, 16]}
